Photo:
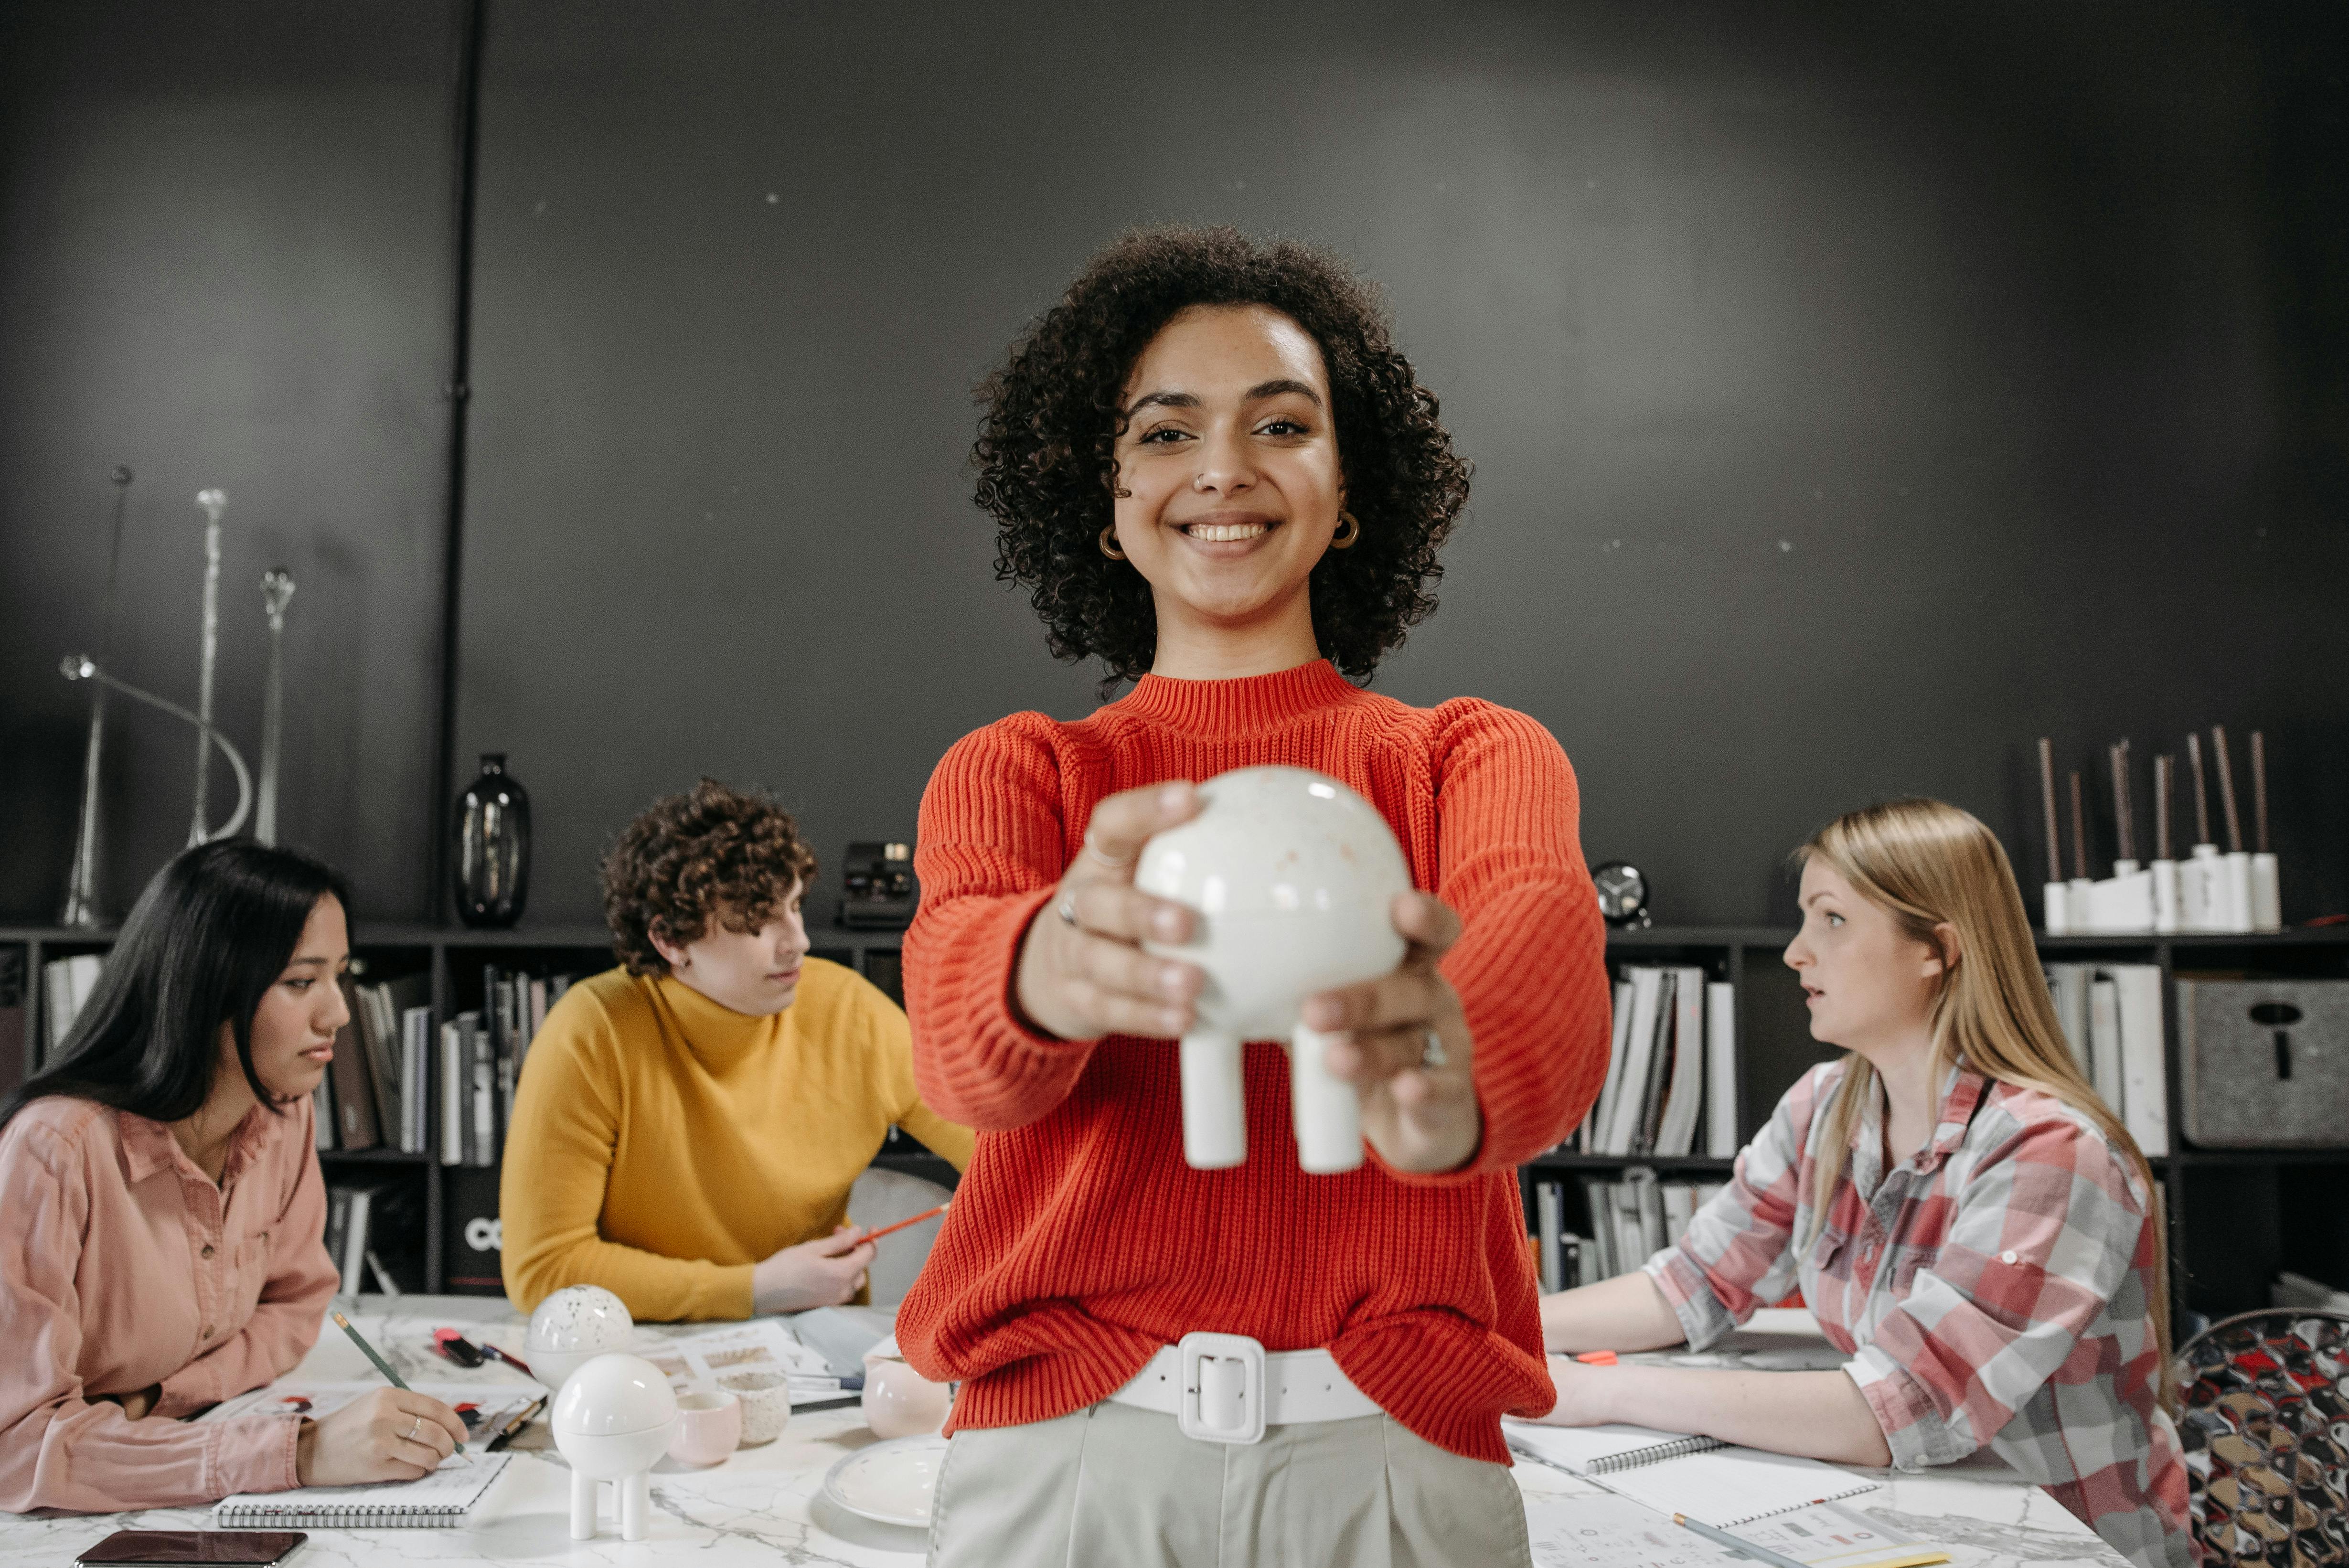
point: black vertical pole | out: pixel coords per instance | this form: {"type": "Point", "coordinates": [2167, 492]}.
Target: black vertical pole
{"type": "Point", "coordinates": [471, 18]}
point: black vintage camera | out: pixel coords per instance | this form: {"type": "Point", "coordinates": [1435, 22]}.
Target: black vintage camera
{"type": "Point", "coordinates": [878, 891]}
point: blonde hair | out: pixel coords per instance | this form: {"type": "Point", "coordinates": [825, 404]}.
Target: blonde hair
{"type": "Point", "coordinates": [1930, 864]}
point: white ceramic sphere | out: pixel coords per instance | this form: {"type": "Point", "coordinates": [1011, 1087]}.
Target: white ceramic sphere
{"type": "Point", "coordinates": [1293, 876]}
{"type": "Point", "coordinates": [614, 1416]}
{"type": "Point", "coordinates": [572, 1327]}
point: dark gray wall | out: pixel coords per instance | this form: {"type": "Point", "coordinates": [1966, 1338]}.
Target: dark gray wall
{"type": "Point", "coordinates": [1853, 399]}
{"type": "Point", "coordinates": [224, 261]}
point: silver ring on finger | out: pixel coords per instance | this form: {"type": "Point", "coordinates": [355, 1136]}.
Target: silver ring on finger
{"type": "Point", "coordinates": [415, 1432]}
{"type": "Point", "coordinates": [1433, 1054]}
{"type": "Point", "coordinates": [1067, 907]}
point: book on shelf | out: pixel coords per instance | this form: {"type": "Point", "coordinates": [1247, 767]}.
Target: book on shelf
{"type": "Point", "coordinates": [2111, 1016]}
{"type": "Point", "coordinates": [482, 1054]}
{"type": "Point", "coordinates": [65, 984]}
{"type": "Point", "coordinates": [1720, 1069]}
{"type": "Point", "coordinates": [1550, 1203]}
{"type": "Point", "coordinates": [349, 1220]}
{"type": "Point", "coordinates": [1627, 1223]}
{"type": "Point", "coordinates": [352, 1096]}
{"type": "Point", "coordinates": [1672, 1068]}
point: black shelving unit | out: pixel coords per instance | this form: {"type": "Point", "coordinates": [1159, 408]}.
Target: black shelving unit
{"type": "Point", "coordinates": [2237, 1216]}
{"type": "Point", "coordinates": [453, 956]}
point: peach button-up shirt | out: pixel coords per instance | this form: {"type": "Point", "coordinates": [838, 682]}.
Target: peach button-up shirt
{"type": "Point", "coordinates": [123, 1266]}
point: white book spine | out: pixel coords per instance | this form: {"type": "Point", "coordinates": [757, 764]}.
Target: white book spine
{"type": "Point", "coordinates": [2105, 1045]}
{"type": "Point", "coordinates": [1683, 1102]}
{"type": "Point", "coordinates": [1602, 1110]}
{"type": "Point", "coordinates": [1721, 1070]}
{"type": "Point", "coordinates": [1623, 1125]}
{"type": "Point", "coordinates": [1550, 1203]}
{"type": "Point", "coordinates": [453, 1078]}
{"type": "Point", "coordinates": [2145, 1093]}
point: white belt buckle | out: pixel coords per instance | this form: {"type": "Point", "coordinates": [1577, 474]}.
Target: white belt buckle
{"type": "Point", "coordinates": [1223, 1388]}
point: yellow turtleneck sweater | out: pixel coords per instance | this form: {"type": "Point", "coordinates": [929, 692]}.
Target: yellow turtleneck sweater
{"type": "Point", "coordinates": [662, 1144]}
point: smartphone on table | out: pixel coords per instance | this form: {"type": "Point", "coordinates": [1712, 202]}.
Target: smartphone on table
{"type": "Point", "coordinates": [254, 1547]}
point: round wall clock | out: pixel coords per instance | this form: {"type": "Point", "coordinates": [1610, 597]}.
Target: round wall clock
{"type": "Point", "coordinates": [1623, 894]}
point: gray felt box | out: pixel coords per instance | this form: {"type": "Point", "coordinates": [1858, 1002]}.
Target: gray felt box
{"type": "Point", "coordinates": [2265, 1063]}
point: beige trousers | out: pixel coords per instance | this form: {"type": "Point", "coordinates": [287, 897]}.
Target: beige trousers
{"type": "Point", "coordinates": [1111, 1484]}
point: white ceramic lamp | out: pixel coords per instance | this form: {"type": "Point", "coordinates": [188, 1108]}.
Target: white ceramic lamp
{"type": "Point", "coordinates": [612, 1422]}
{"type": "Point", "coordinates": [1293, 876]}
{"type": "Point", "coordinates": [572, 1327]}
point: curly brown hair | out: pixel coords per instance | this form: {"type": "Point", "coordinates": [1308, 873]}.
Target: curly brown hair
{"type": "Point", "coordinates": [687, 855]}
{"type": "Point", "coordinates": [1052, 416]}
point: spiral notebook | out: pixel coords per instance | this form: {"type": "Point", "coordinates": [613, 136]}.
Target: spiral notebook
{"type": "Point", "coordinates": [440, 1500]}
{"type": "Point", "coordinates": [1704, 1478]}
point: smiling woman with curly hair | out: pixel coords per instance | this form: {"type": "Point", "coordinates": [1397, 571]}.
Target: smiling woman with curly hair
{"type": "Point", "coordinates": [1214, 470]}
{"type": "Point", "coordinates": [1048, 460]}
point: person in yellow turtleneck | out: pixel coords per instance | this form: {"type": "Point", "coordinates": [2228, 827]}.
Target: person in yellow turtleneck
{"type": "Point", "coordinates": [687, 1125]}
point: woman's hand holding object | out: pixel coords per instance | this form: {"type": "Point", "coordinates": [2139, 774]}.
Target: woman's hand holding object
{"type": "Point", "coordinates": [1082, 973]}
{"type": "Point", "coordinates": [826, 1272]}
{"type": "Point", "coordinates": [1406, 1048]}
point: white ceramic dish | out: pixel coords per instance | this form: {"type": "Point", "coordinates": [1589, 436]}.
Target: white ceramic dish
{"type": "Point", "coordinates": [890, 1483]}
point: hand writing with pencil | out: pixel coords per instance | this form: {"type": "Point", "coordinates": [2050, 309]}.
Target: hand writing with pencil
{"type": "Point", "coordinates": [384, 1434]}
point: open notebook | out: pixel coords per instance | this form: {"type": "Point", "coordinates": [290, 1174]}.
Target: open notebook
{"type": "Point", "coordinates": [443, 1498]}
{"type": "Point", "coordinates": [1704, 1478]}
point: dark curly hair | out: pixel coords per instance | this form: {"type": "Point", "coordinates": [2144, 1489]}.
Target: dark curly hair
{"type": "Point", "coordinates": [689, 853]}
{"type": "Point", "coordinates": [1053, 415]}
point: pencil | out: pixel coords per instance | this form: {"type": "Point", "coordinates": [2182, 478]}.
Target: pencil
{"type": "Point", "coordinates": [380, 1364]}
{"type": "Point", "coordinates": [1722, 1538]}
{"type": "Point", "coordinates": [886, 1229]}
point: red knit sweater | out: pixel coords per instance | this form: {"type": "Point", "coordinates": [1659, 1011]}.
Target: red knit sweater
{"type": "Point", "coordinates": [1080, 1242]}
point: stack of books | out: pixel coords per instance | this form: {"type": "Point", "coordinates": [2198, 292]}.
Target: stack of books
{"type": "Point", "coordinates": [2111, 1015]}
{"type": "Point", "coordinates": [1628, 1221]}
{"type": "Point", "coordinates": [481, 1056]}
{"type": "Point", "coordinates": [375, 1095]}
{"type": "Point", "coordinates": [356, 1217]}
{"type": "Point", "coordinates": [1672, 1073]}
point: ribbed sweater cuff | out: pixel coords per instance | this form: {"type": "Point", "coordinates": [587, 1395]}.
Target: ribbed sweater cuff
{"type": "Point", "coordinates": [991, 1070]}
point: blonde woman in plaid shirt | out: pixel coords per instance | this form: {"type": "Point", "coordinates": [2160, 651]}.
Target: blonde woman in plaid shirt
{"type": "Point", "coordinates": [1964, 1215]}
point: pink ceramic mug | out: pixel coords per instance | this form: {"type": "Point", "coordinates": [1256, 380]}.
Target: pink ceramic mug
{"type": "Point", "coordinates": [899, 1402]}
{"type": "Point", "coordinates": [707, 1427]}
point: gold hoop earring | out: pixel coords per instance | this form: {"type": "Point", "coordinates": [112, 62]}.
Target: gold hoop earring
{"type": "Point", "coordinates": [1345, 536]}
{"type": "Point", "coordinates": [1108, 544]}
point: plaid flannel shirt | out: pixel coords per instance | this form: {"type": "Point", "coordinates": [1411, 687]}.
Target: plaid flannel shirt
{"type": "Point", "coordinates": [1991, 1289]}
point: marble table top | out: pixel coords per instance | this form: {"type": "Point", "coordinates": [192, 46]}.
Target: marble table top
{"type": "Point", "coordinates": [765, 1506]}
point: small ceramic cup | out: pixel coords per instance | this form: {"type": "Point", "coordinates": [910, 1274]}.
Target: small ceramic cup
{"type": "Point", "coordinates": [765, 1402]}
{"type": "Point", "coordinates": [899, 1402]}
{"type": "Point", "coordinates": [708, 1427]}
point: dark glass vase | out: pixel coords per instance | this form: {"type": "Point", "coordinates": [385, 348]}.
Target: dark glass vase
{"type": "Point", "coordinates": [492, 846]}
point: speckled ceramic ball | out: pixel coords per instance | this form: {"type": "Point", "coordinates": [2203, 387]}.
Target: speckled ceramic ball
{"type": "Point", "coordinates": [572, 1327]}
{"type": "Point", "coordinates": [1294, 877]}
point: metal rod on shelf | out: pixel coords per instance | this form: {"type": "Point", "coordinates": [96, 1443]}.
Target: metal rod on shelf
{"type": "Point", "coordinates": [82, 667]}
{"type": "Point", "coordinates": [2227, 787]}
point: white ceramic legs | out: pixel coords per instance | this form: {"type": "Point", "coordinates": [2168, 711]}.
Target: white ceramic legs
{"type": "Point", "coordinates": [1215, 1112]}
{"type": "Point", "coordinates": [1327, 1112]}
{"type": "Point", "coordinates": [633, 1501]}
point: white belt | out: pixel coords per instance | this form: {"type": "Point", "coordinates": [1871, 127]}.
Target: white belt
{"type": "Point", "coordinates": [1228, 1389]}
